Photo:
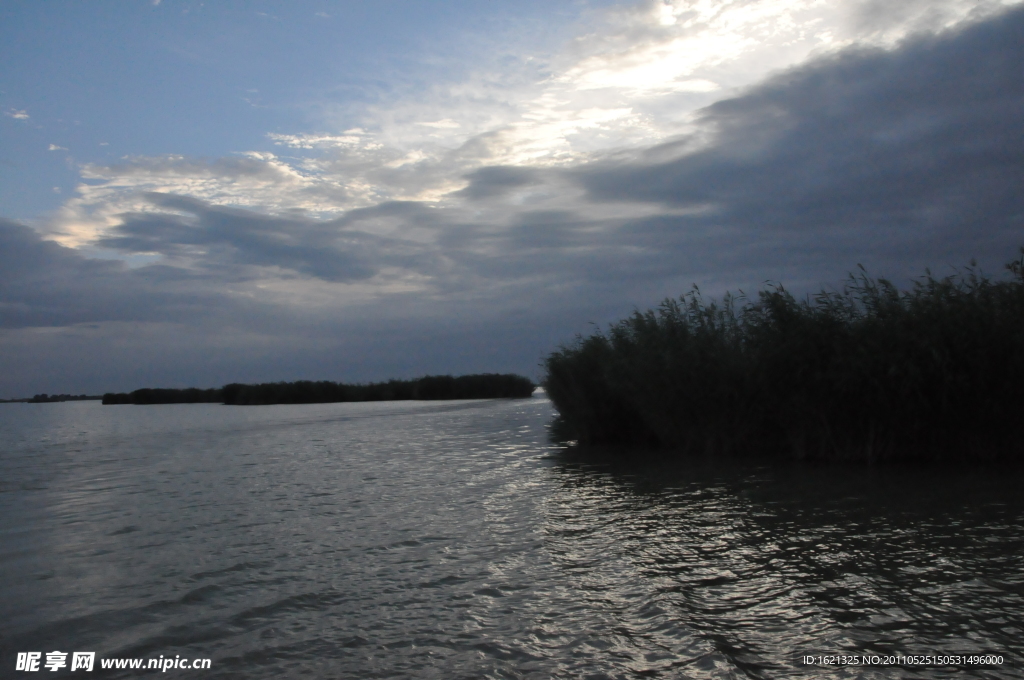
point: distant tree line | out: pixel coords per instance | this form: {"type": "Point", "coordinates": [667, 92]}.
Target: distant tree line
{"type": "Point", "coordinates": [50, 398]}
{"type": "Point", "coordinates": [431, 387]}
{"type": "Point", "coordinates": [149, 395]}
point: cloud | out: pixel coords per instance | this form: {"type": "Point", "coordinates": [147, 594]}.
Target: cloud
{"type": "Point", "coordinates": [255, 180]}
{"type": "Point", "coordinates": [898, 157]}
{"type": "Point", "coordinates": [868, 153]}
{"type": "Point", "coordinates": [16, 114]}
{"type": "Point", "coordinates": [446, 124]}
{"type": "Point", "coordinates": [634, 79]}
{"type": "Point", "coordinates": [170, 324]}
{"type": "Point", "coordinates": [54, 147]}
{"type": "Point", "coordinates": [316, 141]}
{"type": "Point", "coordinates": [497, 180]}
{"type": "Point", "coordinates": [479, 241]}
{"type": "Point", "coordinates": [230, 242]}
{"type": "Point", "coordinates": [48, 285]}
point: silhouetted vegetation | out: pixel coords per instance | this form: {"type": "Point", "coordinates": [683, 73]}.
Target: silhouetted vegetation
{"type": "Point", "coordinates": [480, 386]}
{"type": "Point", "coordinates": [190, 395]}
{"type": "Point", "coordinates": [51, 398]}
{"type": "Point", "coordinates": [866, 373]}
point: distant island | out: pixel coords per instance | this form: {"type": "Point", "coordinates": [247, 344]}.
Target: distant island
{"type": "Point", "coordinates": [866, 373]}
{"type": "Point", "coordinates": [430, 387]}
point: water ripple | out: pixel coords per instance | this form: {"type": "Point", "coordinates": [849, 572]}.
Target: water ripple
{"type": "Point", "coordinates": [454, 541]}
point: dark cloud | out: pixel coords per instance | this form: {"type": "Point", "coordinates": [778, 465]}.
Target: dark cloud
{"type": "Point", "coordinates": [497, 180]}
{"type": "Point", "coordinates": [545, 229]}
{"type": "Point", "coordinates": [919, 148]}
{"type": "Point", "coordinates": [877, 17]}
{"type": "Point", "coordinates": [43, 283]}
{"type": "Point", "coordinates": [403, 210]}
{"type": "Point", "coordinates": [218, 236]}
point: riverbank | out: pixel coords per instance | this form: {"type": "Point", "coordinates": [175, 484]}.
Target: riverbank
{"type": "Point", "coordinates": [866, 373]}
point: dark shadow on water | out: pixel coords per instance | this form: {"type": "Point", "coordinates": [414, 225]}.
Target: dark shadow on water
{"type": "Point", "coordinates": [767, 561]}
{"type": "Point", "coordinates": [904, 485]}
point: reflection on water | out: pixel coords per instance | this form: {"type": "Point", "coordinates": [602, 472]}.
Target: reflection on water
{"type": "Point", "coordinates": [766, 564]}
{"type": "Point", "coordinates": [454, 541]}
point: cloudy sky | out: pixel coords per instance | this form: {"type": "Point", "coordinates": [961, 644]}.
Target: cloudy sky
{"type": "Point", "coordinates": [196, 193]}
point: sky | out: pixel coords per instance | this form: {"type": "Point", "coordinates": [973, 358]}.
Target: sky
{"type": "Point", "coordinates": [197, 193]}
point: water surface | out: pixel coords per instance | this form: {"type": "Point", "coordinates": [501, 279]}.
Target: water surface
{"type": "Point", "coordinates": [453, 540]}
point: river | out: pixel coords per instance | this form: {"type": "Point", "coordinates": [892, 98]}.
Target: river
{"type": "Point", "coordinates": [455, 540]}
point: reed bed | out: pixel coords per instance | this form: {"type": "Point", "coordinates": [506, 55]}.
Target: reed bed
{"type": "Point", "coordinates": [866, 372]}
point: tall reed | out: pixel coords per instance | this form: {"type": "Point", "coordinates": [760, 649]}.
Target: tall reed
{"type": "Point", "coordinates": [868, 372]}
